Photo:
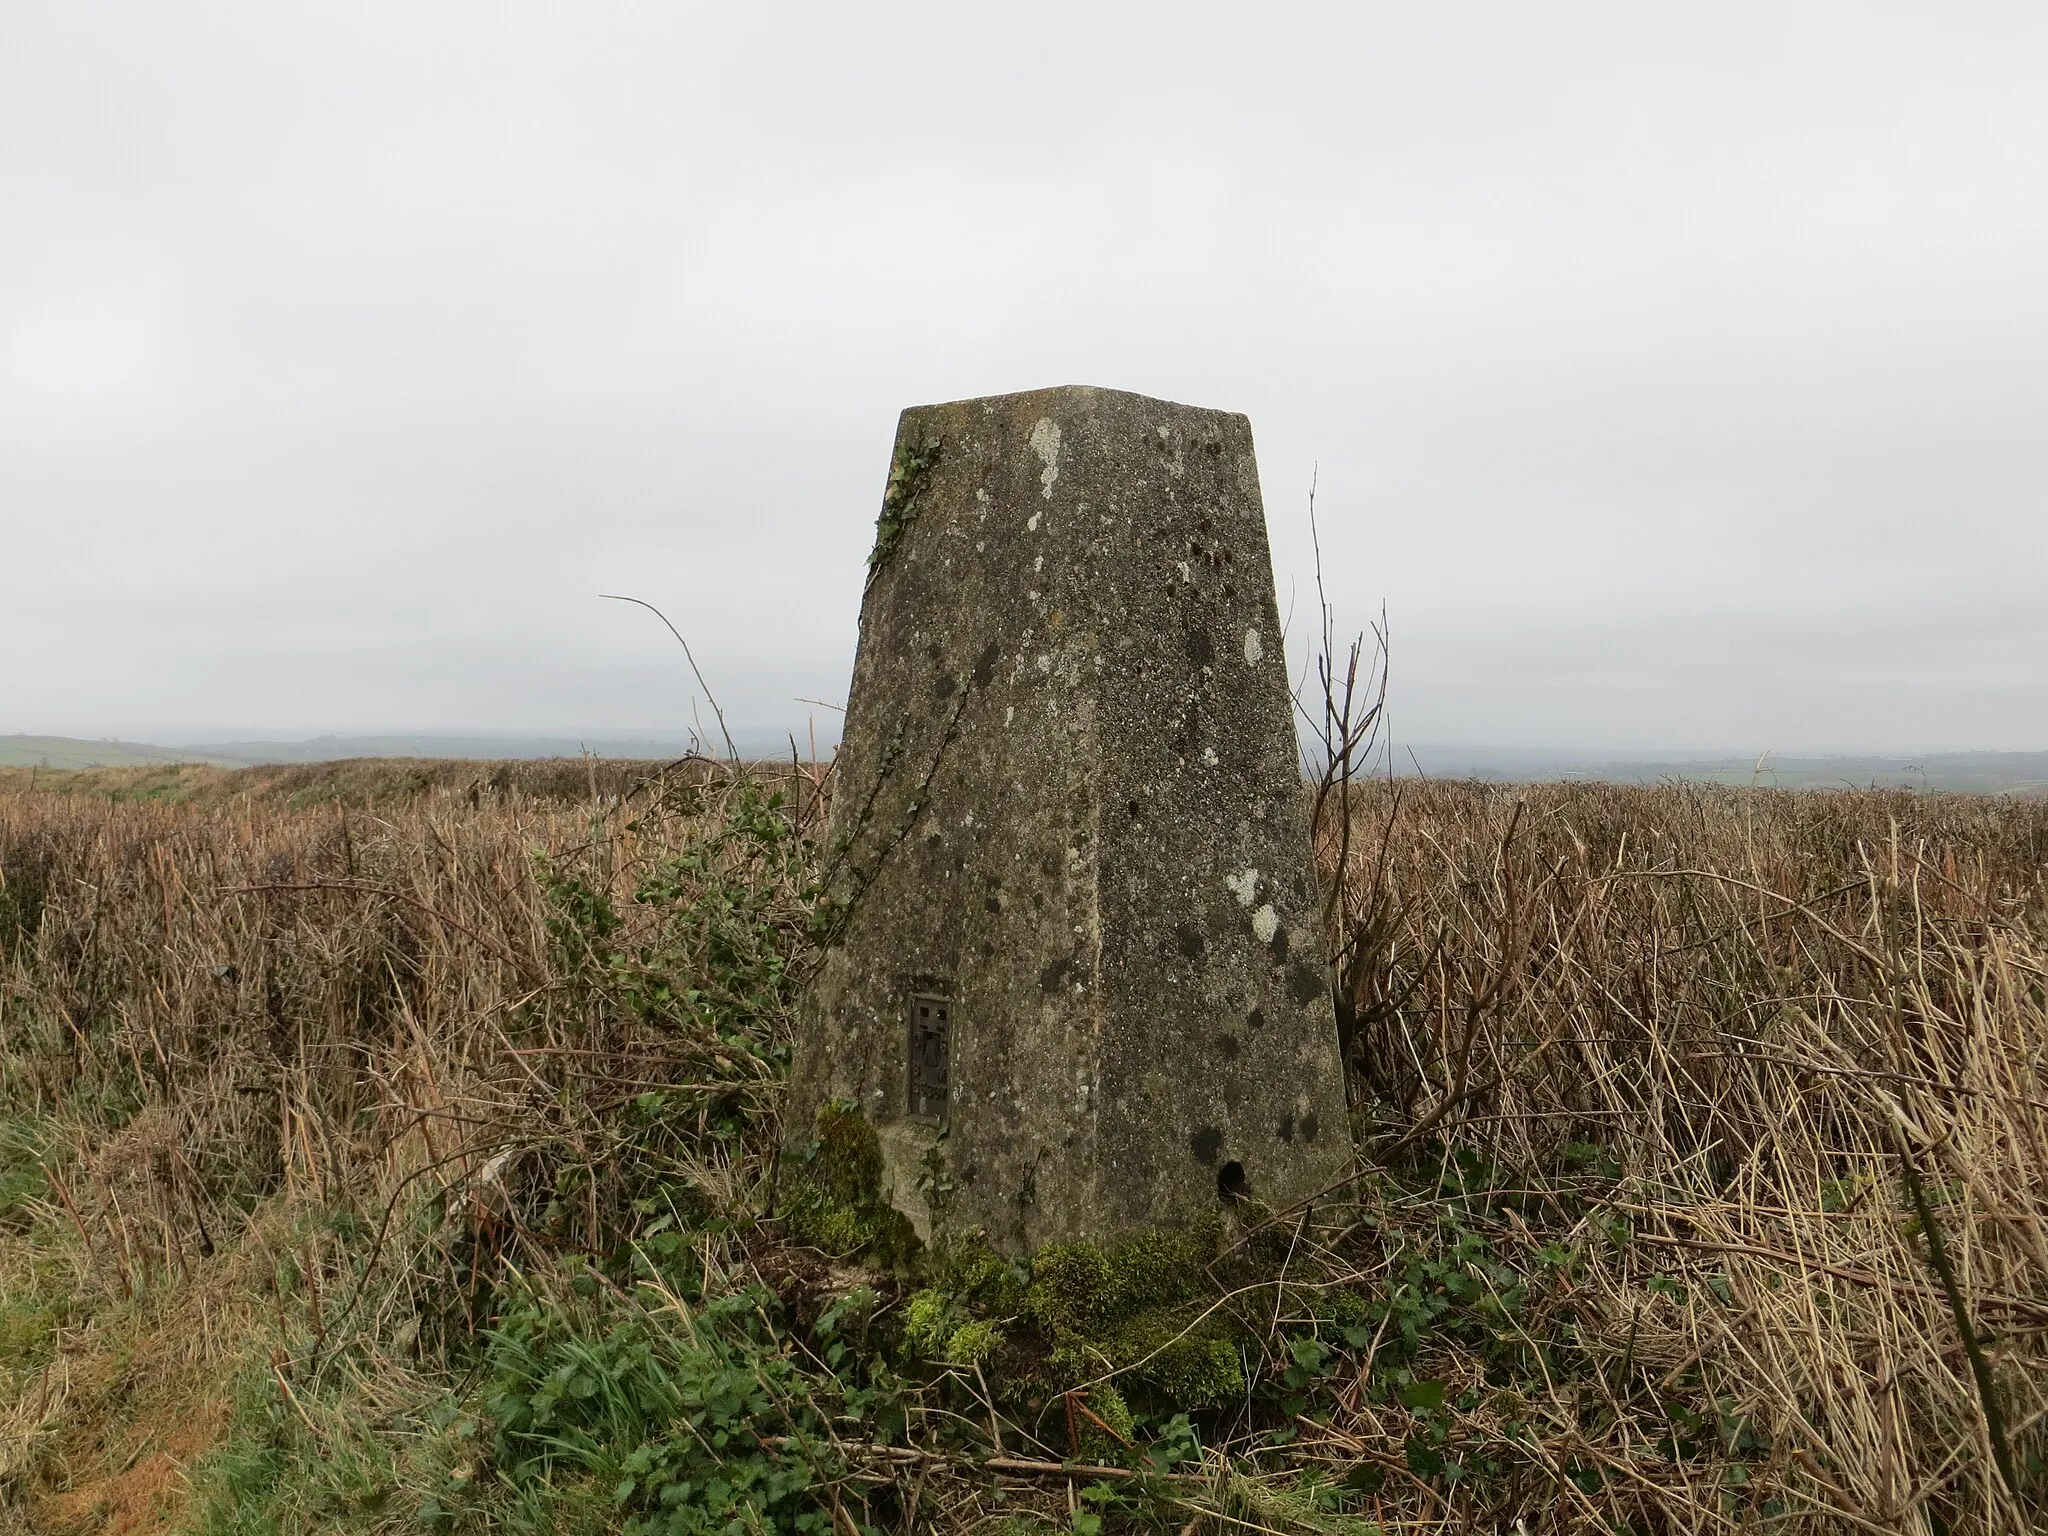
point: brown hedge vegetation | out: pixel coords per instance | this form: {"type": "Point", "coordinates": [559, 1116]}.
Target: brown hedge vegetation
{"type": "Point", "coordinates": [391, 1147]}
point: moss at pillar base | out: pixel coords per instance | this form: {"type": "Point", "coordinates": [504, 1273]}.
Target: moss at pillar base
{"type": "Point", "coordinates": [1132, 1324]}
{"type": "Point", "coordinates": [1138, 1309]}
{"type": "Point", "coordinates": [832, 1193]}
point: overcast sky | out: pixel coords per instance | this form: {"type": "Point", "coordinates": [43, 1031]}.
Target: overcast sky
{"type": "Point", "coordinates": [1677, 375]}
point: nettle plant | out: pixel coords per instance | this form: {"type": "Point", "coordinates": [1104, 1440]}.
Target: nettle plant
{"type": "Point", "coordinates": [670, 1412]}
{"type": "Point", "coordinates": [712, 940]}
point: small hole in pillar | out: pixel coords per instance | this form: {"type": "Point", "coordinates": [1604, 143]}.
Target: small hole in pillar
{"type": "Point", "coordinates": [1231, 1183]}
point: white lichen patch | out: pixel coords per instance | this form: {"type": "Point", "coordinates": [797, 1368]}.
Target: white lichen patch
{"type": "Point", "coordinates": [1244, 886]}
{"type": "Point", "coordinates": [1031, 522]}
{"type": "Point", "coordinates": [1266, 923]}
{"type": "Point", "coordinates": [1209, 757]}
{"type": "Point", "coordinates": [1254, 648]}
{"type": "Point", "coordinates": [1045, 442]}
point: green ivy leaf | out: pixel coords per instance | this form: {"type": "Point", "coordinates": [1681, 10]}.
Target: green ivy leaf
{"type": "Point", "coordinates": [1424, 1396]}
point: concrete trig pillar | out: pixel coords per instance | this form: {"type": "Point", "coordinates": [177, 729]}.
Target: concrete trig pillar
{"type": "Point", "coordinates": [1080, 990]}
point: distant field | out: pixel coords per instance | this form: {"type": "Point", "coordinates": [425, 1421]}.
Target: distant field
{"type": "Point", "coordinates": [665, 746]}
{"type": "Point", "coordinates": [71, 752]}
{"type": "Point", "coordinates": [370, 781]}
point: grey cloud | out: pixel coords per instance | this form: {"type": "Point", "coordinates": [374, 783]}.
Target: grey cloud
{"type": "Point", "coordinates": [1673, 376]}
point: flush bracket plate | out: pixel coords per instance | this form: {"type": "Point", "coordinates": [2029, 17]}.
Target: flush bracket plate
{"type": "Point", "coordinates": [931, 1056]}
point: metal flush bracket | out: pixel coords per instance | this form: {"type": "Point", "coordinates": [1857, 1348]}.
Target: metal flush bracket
{"type": "Point", "coordinates": [931, 1056]}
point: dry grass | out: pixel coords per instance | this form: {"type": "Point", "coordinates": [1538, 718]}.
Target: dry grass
{"type": "Point", "coordinates": [1762, 1008]}
{"type": "Point", "coordinates": [293, 1085]}
{"type": "Point", "coordinates": [228, 1016]}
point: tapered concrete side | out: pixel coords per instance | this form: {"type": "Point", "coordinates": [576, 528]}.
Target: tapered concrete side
{"type": "Point", "coordinates": [1070, 809]}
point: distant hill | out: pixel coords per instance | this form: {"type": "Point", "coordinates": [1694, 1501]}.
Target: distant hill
{"type": "Point", "coordinates": [73, 752]}
{"type": "Point", "coordinates": [1979, 773]}
{"type": "Point", "coordinates": [1983, 773]}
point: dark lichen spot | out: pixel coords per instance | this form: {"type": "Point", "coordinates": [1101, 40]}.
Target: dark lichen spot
{"type": "Point", "coordinates": [1201, 650]}
{"type": "Point", "coordinates": [1309, 1126]}
{"type": "Point", "coordinates": [1279, 945]}
{"type": "Point", "coordinates": [1231, 1184]}
{"type": "Point", "coordinates": [943, 686]}
{"type": "Point", "coordinates": [1226, 1047]}
{"type": "Point", "coordinates": [1256, 1019]}
{"type": "Point", "coordinates": [985, 665]}
{"type": "Point", "coordinates": [1135, 809]}
{"type": "Point", "coordinates": [1304, 982]}
{"type": "Point", "coordinates": [1054, 976]}
{"type": "Point", "coordinates": [1287, 1129]}
{"type": "Point", "coordinates": [1190, 939]}
{"type": "Point", "coordinates": [1205, 1144]}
